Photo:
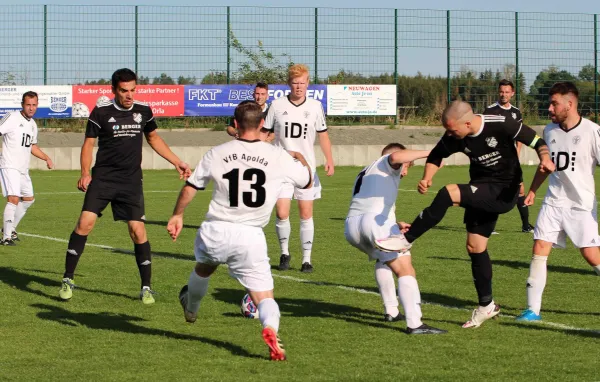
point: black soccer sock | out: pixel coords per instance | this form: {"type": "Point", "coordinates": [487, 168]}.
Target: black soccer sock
{"type": "Point", "coordinates": [523, 211]}
{"type": "Point", "coordinates": [481, 267]}
{"type": "Point", "coordinates": [430, 216]}
{"type": "Point", "coordinates": [143, 259]}
{"type": "Point", "coordinates": [74, 252]}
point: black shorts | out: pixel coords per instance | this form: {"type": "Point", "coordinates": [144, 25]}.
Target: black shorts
{"type": "Point", "coordinates": [484, 202]}
{"type": "Point", "coordinates": [126, 200]}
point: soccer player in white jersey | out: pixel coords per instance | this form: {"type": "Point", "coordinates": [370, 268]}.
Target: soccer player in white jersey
{"type": "Point", "coordinates": [371, 217]}
{"type": "Point", "coordinates": [247, 175]}
{"type": "Point", "coordinates": [296, 120]}
{"type": "Point", "coordinates": [19, 141]}
{"type": "Point", "coordinates": [569, 207]}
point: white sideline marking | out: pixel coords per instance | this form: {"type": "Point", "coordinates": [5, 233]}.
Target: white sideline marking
{"type": "Point", "coordinates": [322, 283]}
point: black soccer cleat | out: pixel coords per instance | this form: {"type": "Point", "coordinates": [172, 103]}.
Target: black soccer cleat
{"type": "Point", "coordinates": [425, 329]}
{"type": "Point", "coordinates": [306, 268]}
{"type": "Point", "coordinates": [13, 235]}
{"type": "Point", "coordinates": [528, 229]}
{"type": "Point", "coordinates": [8, 242]}
{"type": "Point", "coordinates": [389, 318]}
{"type": "Point", "coordinates": [284, 262]}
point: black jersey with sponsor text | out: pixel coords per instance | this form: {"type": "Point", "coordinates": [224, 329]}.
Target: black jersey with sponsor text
{"type": "Point", "coordinates": [492, 150]}
{"type": "Point", "coordinates": [120, 137]}
{"type": "Point", "coordinates": [510, 112]}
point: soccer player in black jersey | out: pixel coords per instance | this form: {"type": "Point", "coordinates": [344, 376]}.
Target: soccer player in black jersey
{"type": "Point", "coordinates": [506, 90]}
{"type": "Point", "coordinates": [116, 178]}
{"type": "Point", "coordinates": [495, 174]}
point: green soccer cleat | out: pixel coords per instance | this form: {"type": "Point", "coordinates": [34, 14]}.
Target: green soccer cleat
{"type": "Point", "coordinates": [66, 289]}
{"type": "Point", "coordinates": [147, 296]}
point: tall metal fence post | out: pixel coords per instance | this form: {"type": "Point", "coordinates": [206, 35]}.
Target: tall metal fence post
{"type": "Point", "coordinates": [45, 45]}
{"type": "Point", "coordinates": [316, 76]}
{"type": "Point", "coordinates": [396, 61]}
{"type": "Point", "coordinates": [228, 45]}
{"type": "Point", "coordinates": [136, 38]}
{"type": "Point", "coordinates": [448, 54]}
{"type": "Point", "coordinates": [596, 96]}
{"type": "Point", "coordinates": [517, 84]}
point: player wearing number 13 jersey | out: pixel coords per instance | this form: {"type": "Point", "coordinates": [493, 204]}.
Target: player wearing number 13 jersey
{"type": "Point", "coordinates": [296, 120]}
{"type": "Point", "coordinates": [248, 175]}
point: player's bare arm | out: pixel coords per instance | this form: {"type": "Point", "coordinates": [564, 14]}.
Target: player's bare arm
{"type": "Point", "coordinates": [325, 144]}
{"type": "Point", "coordinates": [427, 180]}
{"type": "Point", "coordinates": [232, 131]}
{"type": "Point", "coordinates": [162, 149]}
{"type": "Point", "coordinates": [87, 150]}
{"type": "Point", "coordinates": [175, 224]}
{"type": "Point", "coordinates": [407, 156]}
{"type": "Point", "coordinates": [538, 179]}
{"type": "Point", "coordinates": [38, 153]}
{"type": "Point", "coordinates": [528, 136]}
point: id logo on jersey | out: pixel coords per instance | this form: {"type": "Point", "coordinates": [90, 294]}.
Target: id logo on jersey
{"type": "Point", "coordinates": [295, 130]}
{"type": "Point", "coordinates": [563, 160]}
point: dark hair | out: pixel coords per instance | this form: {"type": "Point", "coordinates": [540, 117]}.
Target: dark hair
{"type": "Point", "coordinates": [262, 85]}
{"type": "Point", "coordinates": [506, 83]}
{"type": "Point", "coordinates": [393, 146]}
{"type": "Point", "coordinates": [122, 75]}
{"type": "Point", "coordinates": [564, 88]}
{"type": "Point", "coordinates": [248, 115]}
{"type": "Point", "coordinates": [29, 94]}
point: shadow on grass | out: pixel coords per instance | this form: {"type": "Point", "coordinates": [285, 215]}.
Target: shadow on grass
{"type": "Point", "coordinates": [589, 333]}
{"type": "Point", "coordinates": [127, 324]}
{"type": "Point", "coordinates": [522, 265]}
{"type": "Point", "coordinates": [164, 255]}
{"type": "Point", "coordinates": [300, 307]}
{"type": "Point", "coordinates": [23, 281]}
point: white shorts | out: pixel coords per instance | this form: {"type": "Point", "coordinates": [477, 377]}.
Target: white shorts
{"type": "Point", "coordinates": [15, 183]}
{"type": "Point", "coordinates": [288, 191]}
{"type": "Point", "coordinates": [555, 224]}
{"type": "Point", "coordinates": [361, 231]}
{"type": "Point", "coordinates": [243, 248]}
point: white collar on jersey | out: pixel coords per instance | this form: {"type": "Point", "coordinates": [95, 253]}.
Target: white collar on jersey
{"type": "Point", "coordinates": [121, 108]}
{"type": "Point", "coordinates": [505, 108]}
{"type": "Point", "coordinates": [480, 128]}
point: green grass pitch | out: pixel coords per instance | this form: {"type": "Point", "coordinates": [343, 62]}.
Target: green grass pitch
{"type": "Point", "coordinates": [331, 321]}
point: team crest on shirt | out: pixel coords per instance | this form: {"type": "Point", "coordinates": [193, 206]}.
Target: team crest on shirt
{"type": "Point", "coordinates": [491, 141]}
{"type": "Point", "coordinates": [137, 117]}
{"type": "Point", "coordinates": [306, 114]}
{"type": "Point", "coordinates": [576, 139]}
{"type": "Point", "coordinates": [514, 115]}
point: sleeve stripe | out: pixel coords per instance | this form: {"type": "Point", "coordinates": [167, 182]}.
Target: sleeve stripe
{"type": "Point", "coordinates": [95, 123]}
{"type": "Point", "coordinates": [151, 119]}
{"type": "Point", "coordinates": [535, 140]}
{"type": "Point", "coordinates": [322, 131]}
{"type": "Point", "coordinates": [520, 127]}
{"type": "Point", "coordinates": [5, 118]}
{"type": "Point", "coordinates": [194, 186]}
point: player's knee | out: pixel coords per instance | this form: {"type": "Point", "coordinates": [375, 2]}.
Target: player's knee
{"type": "Point", "coordinates": [476, 247]}
{"type": "Point", "coordinates": [541, 247]}
{"type": "Point", "coordinates": [138, 235]}
{"type": "Point", "coordinates": [84, 227]}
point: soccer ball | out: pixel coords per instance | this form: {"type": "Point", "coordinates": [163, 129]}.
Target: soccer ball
{"type": "Point", "coordinates": [102, 100]}
{"type": "Point", "coordinates": [248, 309]}
{"type": "Point", "coordinates": [80, 110]}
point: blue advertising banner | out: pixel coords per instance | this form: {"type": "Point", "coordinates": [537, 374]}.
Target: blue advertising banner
{"type": "Point", "coordinates": [53, 101]}
{"type": "Point", "coordinates": [221, 100]}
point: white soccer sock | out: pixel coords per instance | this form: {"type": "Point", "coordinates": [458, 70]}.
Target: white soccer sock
{"type": "Point", "coordinates": [283, 230]}
{"type": "Point", "coordinates": [597, 269]}
{"type": "Point", "coordinates": [536, 282]}
{"type": "Point", "coordinates": [9, 218]}
{"type": "Point", "coordinates": [410, 296]}
{"type": "Point", "coordinates": [20, 212]}
{"type": "Point", "coordinates": [387, 288]}
{"type": "Point", "coordinates": [268, 313]}
{"type": "Point", "coordinates": [307, 236]}
{"type": "Point", "coordinates": [197, 288]}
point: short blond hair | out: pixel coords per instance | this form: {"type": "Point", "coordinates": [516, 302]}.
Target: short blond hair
{"type": "Point", "coordinates": [297, 70]}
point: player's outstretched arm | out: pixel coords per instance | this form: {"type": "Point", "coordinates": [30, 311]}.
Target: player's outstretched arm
{"type": "Point", "coordinates": [407, 156]}
{"type": "Point", "coordinates": [175, 224]}
{"type": "Point", "coordinates": [325, 144]}
{"type": "Point", "coordinates": [538, 179]}
{"type": "Point", "coordinates": [232, 131]}
{"type": "Point", "coordinates": [162, 149]}
{"type": "Point", "coordinates": [87, 150]}
{"type": "Point", "coordinates": [38, 153]}
{"type": "Point", "coordinates": [430, 170]}
{"type": "Point", "coordinates": [529, 137]}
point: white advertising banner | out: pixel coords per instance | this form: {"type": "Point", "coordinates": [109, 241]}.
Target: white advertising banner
{"type": "Point", "coordinates": [53, 101]}
{"type": "Point", "coordinates": [361, 99]}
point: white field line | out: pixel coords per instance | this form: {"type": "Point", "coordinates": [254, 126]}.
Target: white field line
{"type": "Point", "coordinates": [319, 283]}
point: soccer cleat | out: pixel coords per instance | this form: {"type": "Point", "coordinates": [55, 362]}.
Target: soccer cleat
{"type": "Point", "coordinates": [8, 242]}
{"type": "Point", "coordinates": [66, 289]}
{"type": "Point", "coordinates": [389, 318]}
{"type": "Point", "coordinates": [425, 329]}
{"type": "Point", "coordinates": [479, 317]}
{"type": "Point", "coordinates": [306, 268]}
{"type": "Point", "coordinates": [528, 229]}
{"type": "Point", "coordinates": [146, 295]}
{"type": "Point", "coordinates": [183, 298]}
{"type": "Point", "coordinates": [284, 262]}
{"type": "Point", "coordinates": [13, 235]}
{"type": "Point", "coordinates": [529, 315]}
{"type": "Point", "coordinates": [394, 243]}
{"type": "Point", "coordinates": [274, 343]}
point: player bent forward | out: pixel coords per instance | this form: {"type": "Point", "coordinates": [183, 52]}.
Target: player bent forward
{"type": "Point", "coordinates": [248, 174]}
{"type": "Point", "coordinates": [569, 207]}
{"type": "Point", "coordinates": [372, 217]}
